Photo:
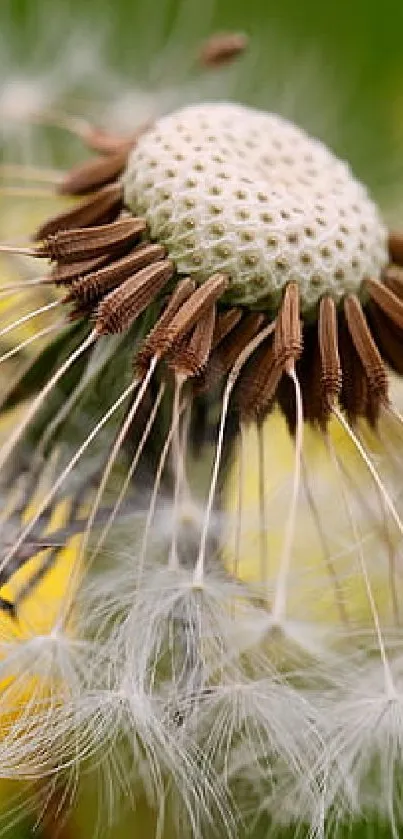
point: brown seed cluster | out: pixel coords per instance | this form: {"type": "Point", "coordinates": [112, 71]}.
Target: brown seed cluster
{"type": "Point", "coordinates": [113, 272]}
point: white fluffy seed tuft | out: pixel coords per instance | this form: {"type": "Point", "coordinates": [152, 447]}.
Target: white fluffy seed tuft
{"type": "Point", "coordinates": [229, 188]}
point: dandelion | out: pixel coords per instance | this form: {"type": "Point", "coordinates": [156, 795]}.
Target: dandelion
{"type": "Point", "coordinates": [218, 266]}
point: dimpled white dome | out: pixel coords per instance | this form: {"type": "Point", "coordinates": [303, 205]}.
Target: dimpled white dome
{"type": "Point", "coordinates": [228, 188]}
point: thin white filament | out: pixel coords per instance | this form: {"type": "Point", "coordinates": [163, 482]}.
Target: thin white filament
{"type": "Point", "coordinates": [389, 683]}
{"type": "Point", "coordinates": [89, 374]}
{"type": "Point", "coordinates": [239, 501]}
{"type": "Point", "coordinates": [112, 458]}
{"type": "Point", "coordinates": [65, 473]}
{"type": "Point", "coordinates": [371, 468]}
{"type": "Point", "coordinates": [263, 529]}
{"type": "Point", "coordinates": [157, 481]}
{"type": "Point", "coordinates": [8, 448]}
{"type": "Point", "coordinates": [8, 290]}
{"type": "Point", "coordinates": [178, 465]}
{"type": "Point", "coordinates": [69, 599]}
{"type": "Point", "coordinates": [232, 378]}
{"type": "Point", "coordinates": [280, 594]}
{"type": "Point", "coordinates": [28, 341]}
{"type": "Point", "coordinates": [29, 316]}
{"type": "Point", "coordinates": [18, 249]}
{"type": "Point", "coordinates": [133, 466]}
{"type": "Point", "coordinates": [330, 567]}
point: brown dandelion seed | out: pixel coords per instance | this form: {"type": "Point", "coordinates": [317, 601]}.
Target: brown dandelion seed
{"type": "Point", "coordinates": [330, 372]}
{"type": "Point", "coordinates": [288, 331]}
{"type": "Point", "coordinates": [90, 242]}
{"type": "Point", "coordinates": [121, 307]}
{"type": "Point", "coordinates": [229, 349]}
{"type": "Point", "coordinates": [102, 208]}
{"type": "Point", "coordinates": [392, 277]}
{"type": "Point", "coordinates": [354, 390]}
{"type": "Point", "coordinates": [66, 274]}
{"type": "Point", "coordinates": [386, 301]}
{"type": "Point", "coordinates": [225, 323]}
{"type": "Point", "coordinates": [389, 337]}
{"type": "Point", "coordinates": [222, 48]}
{"type": "Point", "coordinates": [259, 383]}
{"type": "Point", "coordinates": [190, 312]}
{"type": "Point", "coordinates": [94, 174]}
{"type": "Point", "coordinates": [367, 350]}
{"type": "Point", "coordinates": [94, 284]}
{"type": "Point", "coordinates": [192, 355]}
{"type": "Point", "coordinates": [154, 343]}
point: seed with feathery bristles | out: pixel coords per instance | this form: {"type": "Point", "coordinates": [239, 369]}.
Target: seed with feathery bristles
{"type": "Point", "coordinates": [354, 389]}
{"type": "Point", "coordinates": [154, 343]}
{"type": "Point", "coordinates": [121, 307]}
{"type": "Point", "coordinates": [103, 207]}
{"type": "Point", "coordinates": [225, 323]}
{"type": "Point", "coordinates": [85, 243]}
{"type": "Point", "coordinates": [66, 273]}
{"type": "Point", "coordinates": [190, 312]}
{"type": "Point", "coordinates": [94, 174]}
{"type": "Point", "coordinates": [388, 336]}
{"type": "Point", "coordinates": [228, 350]}
{"type": "Point", "coordinates": [259, 383]}
{"type": "Point", "coordinates": [91, 286]}
{"type": "Point", "coordinates": [366, 348]}
{"type": "Point", "coordinates": [329, 351]}
{"type": "Point", "coordinates": [288, 332]}
{"type": "Point", "coordinates": [192, 355]}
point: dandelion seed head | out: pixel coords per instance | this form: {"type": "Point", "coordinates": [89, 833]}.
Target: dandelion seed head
{"type": "Point", "coordinates": [232, 189]}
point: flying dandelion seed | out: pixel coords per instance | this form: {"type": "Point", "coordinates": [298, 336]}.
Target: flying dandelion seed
{"type": "Point", "coordinates": [219, 266]}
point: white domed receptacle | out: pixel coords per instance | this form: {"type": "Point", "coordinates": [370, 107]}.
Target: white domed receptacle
{"type": "Point", "coordinates": [228, 188]}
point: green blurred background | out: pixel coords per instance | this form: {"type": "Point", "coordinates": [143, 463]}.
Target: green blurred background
{"type": "Point", "coordinates": [335, 67]}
